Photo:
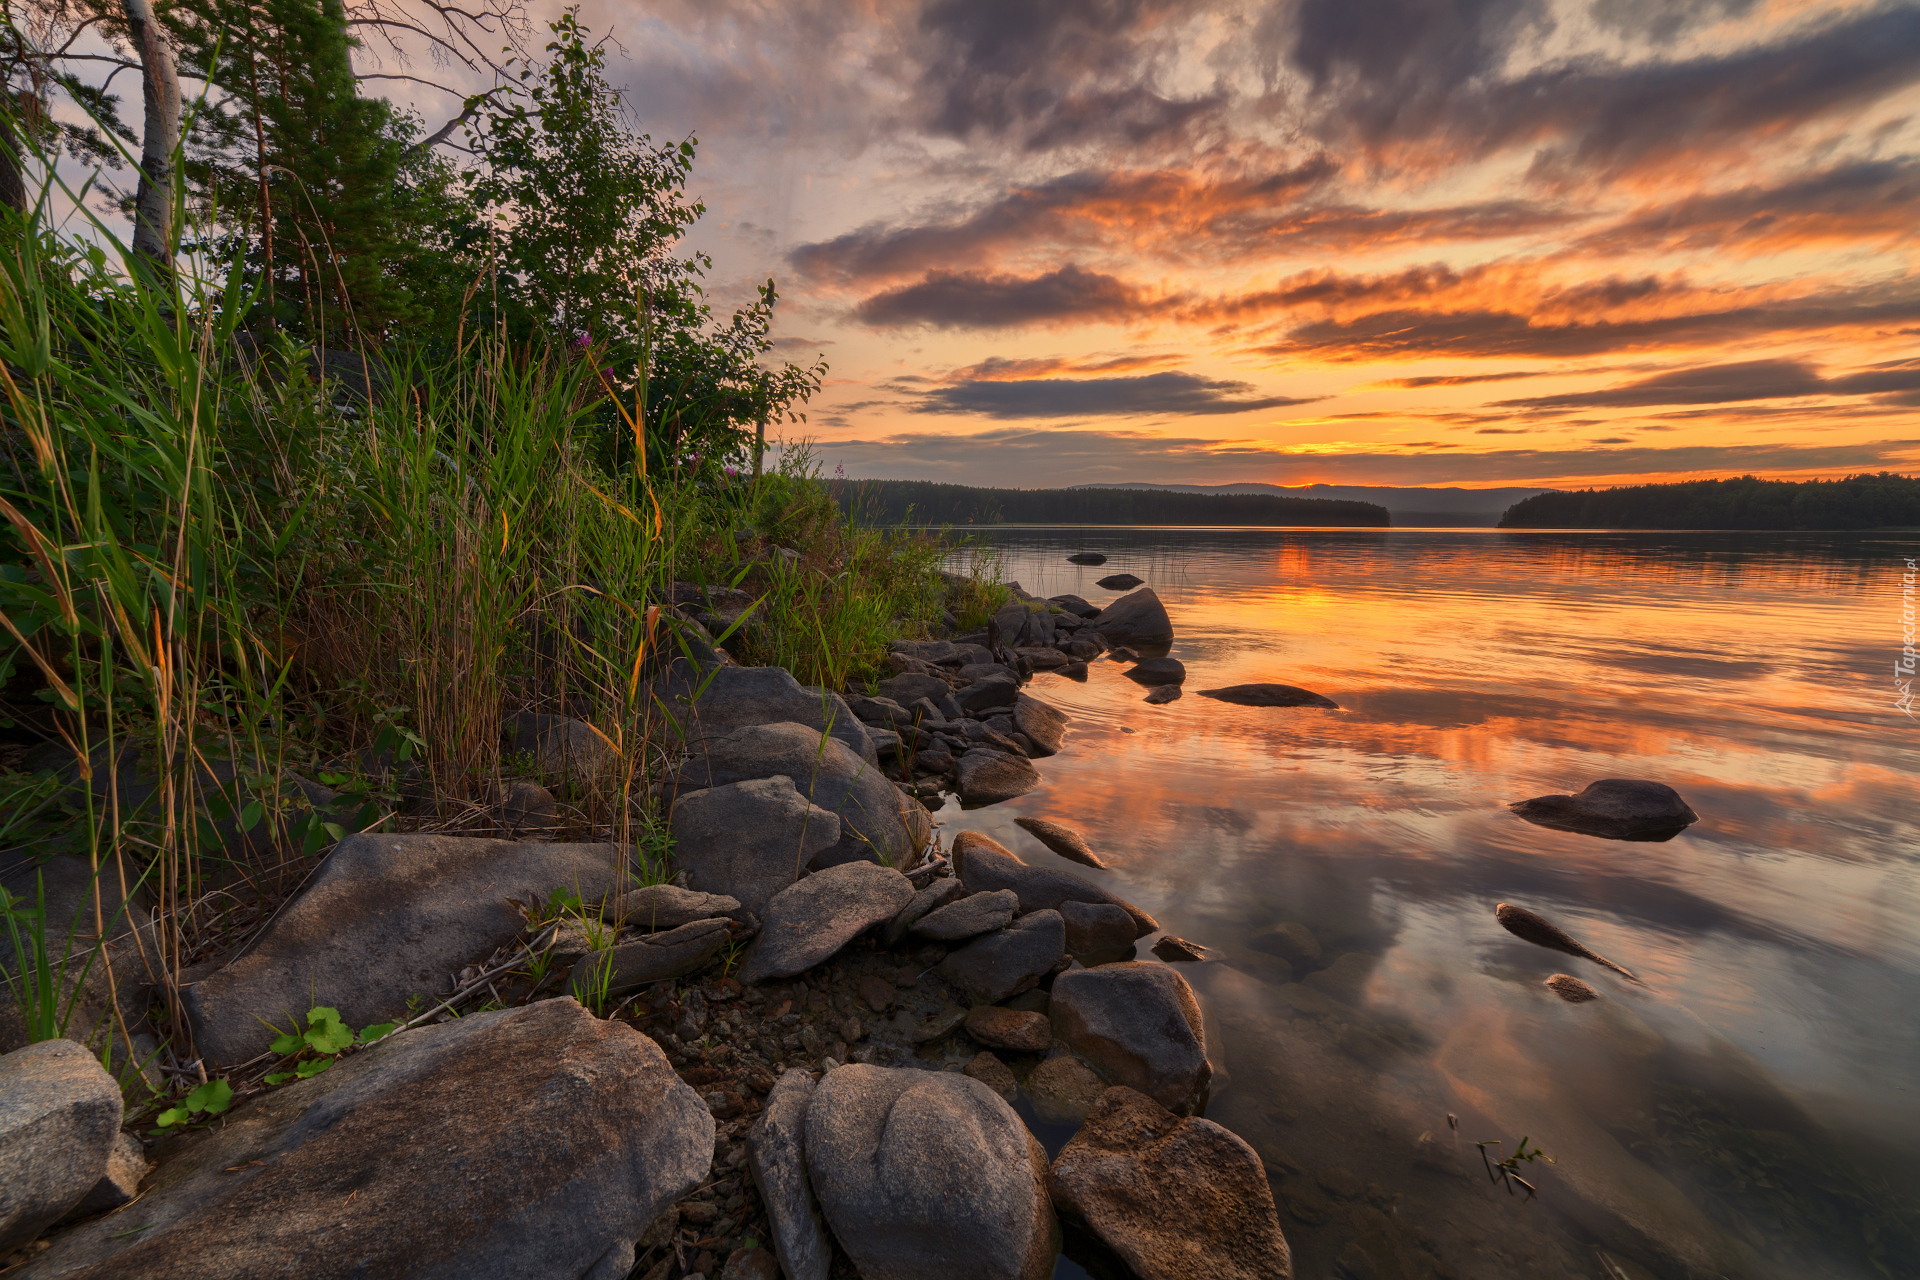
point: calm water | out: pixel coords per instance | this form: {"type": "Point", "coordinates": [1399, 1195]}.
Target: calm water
{"type": "Point", "coordinates": [1751, 1108]}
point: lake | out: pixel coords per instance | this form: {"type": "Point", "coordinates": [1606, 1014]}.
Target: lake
{"type": "Point", "coordinates": [1749, 1107]}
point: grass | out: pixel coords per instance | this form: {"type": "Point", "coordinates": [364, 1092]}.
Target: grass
{"type": "Point", "coordinates": [214, 580]}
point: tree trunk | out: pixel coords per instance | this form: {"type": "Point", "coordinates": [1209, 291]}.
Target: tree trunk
{"type": "Point", "coordinates": [153, 205]}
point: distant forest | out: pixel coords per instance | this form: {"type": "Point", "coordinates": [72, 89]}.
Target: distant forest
{"type": "Point", "coordinates": [1857, 502]}
{"type": "Point", "coordinates": [925, 502]}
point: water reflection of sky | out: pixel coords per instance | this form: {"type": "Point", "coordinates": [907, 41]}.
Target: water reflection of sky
{"type": "Point", "coordinates": [1779, 940]}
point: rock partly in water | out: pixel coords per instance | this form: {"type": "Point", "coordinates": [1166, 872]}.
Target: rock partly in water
{"type": "Point", "coordinates": [1615, 809]}
{"type": "Point", "coordinates": [522, 1142]}
{"type": "Point", "coordinates": [1063, 840]}
{"type": "Point", "coordinates": [1571, 989]}
{"type": "Point", "coordinates": [1137, 618]}
{"type": "Point", "coordinates": [993, 1073]}
{"type": "Point", "coordinates": [1158, 671]}
{"type": "Point", "coordinates": [1175, 1198]}
{"type": "Point", "coordinates": [1163, 695]}
{"type": "Point", "coordinates": [1076, 670]}
{"type": "Point", "coordinates": [970, 917]}
{"type": "Point", "coordinates": [1269, 695]}
{"type": "Point", "coordinates": [1522, 923]}
{"type": "Point", "coordinates": [988, 776]}
{"type": "Point", "coordinates": [659, 907]}
{"type": "Point", "coordinates": [816, 917]}
{"type": "Point", "coordinates": [1140, 1024]}
{"type": "Point", "coordinates": [928, 1175]}
{"type": "Point", "coordinates": [1120, 582]}
{"type": "Point", "coordinates": [1172, 949]}
{"type": "Point", "coordinates": [1064, 1089]}
{"type": "Point", "coordinates": [1003, 964]}
{"type": "Point", "coordinates": [1043, 725]}
{"type": "Point", "coordinates": [1018, 1030]}
{"type": "Point", "coordinates": [1075, 605]}
{"type": "Point", "coordinates": [1094, 927]}
{"type": "Point", "coordinates": [749, 840]}
{"type": "Point", "coordinates": [385, 918]}
{"type": "Point", "coordinates": [651, 958]}
{"type": "Point", "coordinates": [777, 1154]}
{"type": "Point", "coordinates": [59, 1119]}
{"type": "Point", "coordinates": [984, 865]}
{"type": "Point", "coordinates": [1087, 557]}
{"type": "Point", "coordinates": [825, 771]}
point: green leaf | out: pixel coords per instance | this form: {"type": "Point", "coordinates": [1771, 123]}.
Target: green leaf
{"type": "Point", "coordinates": [251, 815]}
{"type": "Point", "coordinates": [279, 1077]}
{"type": "Point", "coordinates": [287, 1042]}
{"type": "Point", "coordinates": [334, 829]}
{"type": "Point", "coordinates": [312, 1067]}
{"type": "Point", "coordinates": [328, 1037]}
{"type": "Point", "coordinates": [378, 1031]}
{"type": "Point", "coordinates": [171, 1117]}
{"type": "Point", "coordinates": [213, 1097]}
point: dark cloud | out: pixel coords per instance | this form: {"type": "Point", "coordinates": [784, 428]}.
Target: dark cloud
{"type": "Point", "coordinates": [1859, 201]}
{"type": "Point", "coordinates": [974, 300]}
{"type": "Point", "coordinates": [1661, 20]}
{"type": "Point", "coordinates": [1733, 383]}
{"type": "Point", "coordinates": [1153, 393]}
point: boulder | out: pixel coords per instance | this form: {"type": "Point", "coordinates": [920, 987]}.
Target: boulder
{"type": "Point", "coordinates": [737, 697]}
{"type": "Point", "coordinates": [1063, 840]}
{"type": "Point", "coordinates": [993, 1073]}
{"type": "Point", "coordinates": [986, 671]}
{"type": "Point", "coordinates": [1137, 618]}
{"type": "Point", "coordinates": [651, 958]}
{"type": "Point", "coordinates": [1615, 809]}
{"type": "Point", "coordinates": [1064, 1089]}
{"type": "Point", "coordinates": [1075, 605]}
{"type": "Point", "coordinates": [908, 688]}
{"type": "Point", "coordinates": [537, 1141]}
{"type": "Point", "coordinates": [126, 1167]}
{"type": "Point", "coordinates": [985, 865]}
{"type": "Point", "coordinates": [944, 652]}
{"type": "Point", "coordinates": [385, 918]}
{"type": "Point", "coordinates": [749, 840]}
{"type": "Point", "coordinates": [1158, 671]}
{"type": "Point", "coordinates": [1096, 926]}
{"type": "Point", "coordinates": [1140, 1024]}
{"type": "Point", "coordinates": [984, 695]}
{"type": "Point", "coordinates": [1087, 557]}
{"type": "Point", "coordinates": [1163, 695]}
{"type": "Point", "coordinates": [822, 913]}
{"type": "Point", "coordinates": [666, 906]}
{"type": "Point", "coordinates": [1002, 964]}
{"type": "Point", "coordinates": [970, 917]}
{"type": "Point", "coordinates": [1269, 695]}
{"type": "Point", "coordinates": [1019, 1030]}
{"type": "Point", "coordinates": [1043, 725]}
{"type": "Point", "coordinates": [1120, 582]}
{"type": "Point", "coordinates": [1026, 623]}
{"type": "Point", "coordinates": [872, 711]}
{"type": "Point", "coordinates": [528, 809]}
{"type": "Point", "coordinates": [60, 1118]}
{"type": "Point", "coordinates": [928, 1175]}
{"type": "Point", "coordinates": [1042, 659]}
{"type": "Point", "coordinates": [777, 1155]}
{"type": "Point", "coordinates": [1173, 1197]}
{"type": "Point", "coordinates": [825, 771]}
{"type": "Point", "coordinates": [562, 746]}
{"type": "Point", "coordinates": [937, 894]}
{"type": "Point", "coordinates": [988, 776]}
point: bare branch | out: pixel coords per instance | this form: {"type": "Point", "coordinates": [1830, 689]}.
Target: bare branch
{"type": "Point", "coordinates": [445, 131]}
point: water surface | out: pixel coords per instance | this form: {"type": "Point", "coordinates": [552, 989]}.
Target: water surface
{"type": "Point", "coordinates": [1748, 1108]}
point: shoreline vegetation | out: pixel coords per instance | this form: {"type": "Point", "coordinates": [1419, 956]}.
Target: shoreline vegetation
{"type": "Point", "coordinates": [925, 502]}
{"type": "Point", "coordinates": [1861, 502]}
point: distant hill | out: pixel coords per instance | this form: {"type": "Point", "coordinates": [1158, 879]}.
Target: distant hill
{"type": "Point", "coordinates": [1857, 502]}
{"type": "Point", "coordinates": [927, 502]}
{"type": "Point", "coordinates": [1410, 507]}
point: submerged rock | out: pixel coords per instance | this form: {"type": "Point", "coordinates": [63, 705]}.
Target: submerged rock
{"type": "Point", "coordinates": [1292, 942]}
{"type": "Point", "coordinates": [1120, 582]}
{"type": "Point", "coordinates": [1171, 948]}
{"type": "Point", "coordinates": [539, 1141]}
{"type": "Point", "coordinates": [1614, 809]}
{"type": "Point", "coordinates": [1018, 1030]}
{"type": "Point", "coordinates": [1064, 1090]}
{"type": "Point", "coordinates": [1269, 695]}
{"type": "Point", "coordinates": [993, 1073]}
{"type": "Point", "coordinates": [1140, 1025]}
{"type": "Point", "coordinates": [1522, 923]}
{"type": "Point", "coordinates": [1061, 839]}
{"type": "Point", "coordinates": [1174, 1198]}
{"type": "Point", "coordinates": [1571, 989]}
{"type": "Point", "coordinates": [928, 1175]}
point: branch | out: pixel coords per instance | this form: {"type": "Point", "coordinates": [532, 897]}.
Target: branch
{"type": "Point", "coordinates": [445, 131]}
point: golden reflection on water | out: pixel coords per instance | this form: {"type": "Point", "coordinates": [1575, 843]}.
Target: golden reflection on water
{"type": "Point", "coordinates": [1777, 940]}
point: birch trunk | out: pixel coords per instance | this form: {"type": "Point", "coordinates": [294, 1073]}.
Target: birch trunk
{"type": "Point", "coordinates": [153, 205]}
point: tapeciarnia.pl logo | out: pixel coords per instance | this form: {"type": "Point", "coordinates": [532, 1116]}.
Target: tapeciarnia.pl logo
{"type": "Point", "coordinates": [1903, 667]}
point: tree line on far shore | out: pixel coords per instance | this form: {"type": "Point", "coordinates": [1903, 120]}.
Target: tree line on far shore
{"type": "Point", "coordinates": [926, 502]}
{"type": "Point", "coordinates": [1862, 501]}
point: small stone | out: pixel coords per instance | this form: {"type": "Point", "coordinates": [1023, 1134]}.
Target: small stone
{"type": "Point", "coordinates": [937, 894]}
{"type": "Point", "coordinates": [1064, 1089]}
{"type": "Point", "coordinates": [878, 993]}
{"type": "Point", "coordinates": [776, 1153]}
{"type": "Point", "coordinates": [658, 907]}
{"type": "Point", "coordinates": [1158, 671]}
{"type": "Point", "coordinates": [940, 1024]}
{"type": "Point", "coordinates": [1571, 989]}
{"type": "Point", "coordinates": [1163, 695]}
{"type": "Point", "coordinates": [1010, 1029]}
{"type": "Point", "coordinates": [751, 1264]}
{"type": "Point", "coordinates": [811, 920]}
{"type": "Point", "coordinates": [126, 1166]}
{"type": "Point", "coordinates": [1171, 948]}
{"type": "Point", "coordinates": [993, 1073]}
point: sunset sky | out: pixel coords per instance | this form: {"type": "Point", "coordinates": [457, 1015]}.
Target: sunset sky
{"type": "Point", "coordinates": [1474, 242]}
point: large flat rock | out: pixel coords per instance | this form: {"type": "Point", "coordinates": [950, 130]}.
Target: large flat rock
{"type": "Point", "coordinates": [735, 697]}
{"type": "Point", "coordinates": [813, 919]}
{"type": "Point", "coordinates": [928, 1175]}
{"type": "Point", "coordinates": [749, 840]}
{"type": "Point", "coordinates": [984, 865]}
{"type": "Point", "coordinates": [1175, 1198]}
{"type": "Point", "coordinates": [1045, 726]}
{"type": "Point", "coordinates": [385, 918]}
{"type": "Point", "coordinates": [59, 1118]}
{"type": "Point", "coordinates": [522, 1144]}
{"type": "Point", "coordinates": [1140, 1024]}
